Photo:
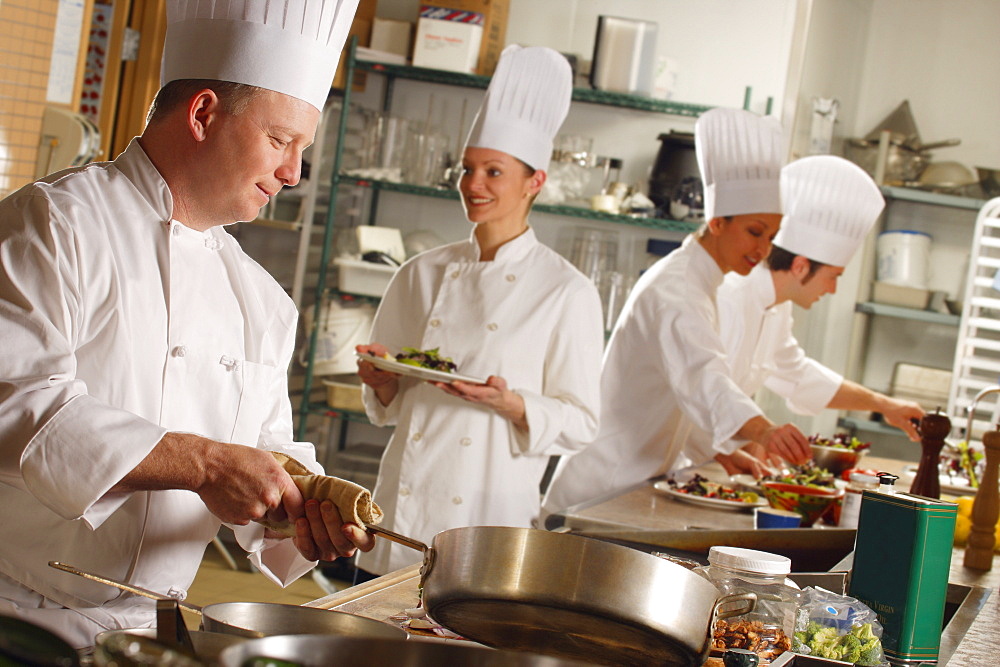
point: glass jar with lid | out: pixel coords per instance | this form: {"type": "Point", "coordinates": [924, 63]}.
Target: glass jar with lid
{"type": "Point", "coordinates": [769, 628]}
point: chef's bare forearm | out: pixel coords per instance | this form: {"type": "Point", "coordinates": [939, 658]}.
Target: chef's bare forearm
{"type": "Point", "coordinates": [386, 393]}
{"type": "Point", "coordinates": [755, 429]}
{"type": "Point", "coordinates": [513, 410]}
{"type": "Point", "coordinates": [179, 461]}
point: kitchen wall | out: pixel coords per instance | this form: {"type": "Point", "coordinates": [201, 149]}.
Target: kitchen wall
{"type": "Point", "coordinates": [943, 56]}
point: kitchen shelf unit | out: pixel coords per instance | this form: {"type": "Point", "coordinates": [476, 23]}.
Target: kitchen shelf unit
{"type": "Point", "coordinates": [870, 309]}
{"type": "Point", "coordinates": [392, 72]}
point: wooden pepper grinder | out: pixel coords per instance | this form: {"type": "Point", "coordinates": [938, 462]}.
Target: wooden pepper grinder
{"type": "Point", "coordinates": [986, 508]}
{"type": "Point", "coordinates": [933, 429]}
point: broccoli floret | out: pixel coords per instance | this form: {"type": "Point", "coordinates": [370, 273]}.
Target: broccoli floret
{"type": "Point", "coordinates": [851, 647]}
{"type": "Point", "coordinates": [871, 654]}
{"type": "Point", "coordinates": [825, 637]}
{"type": "Point", "coordinates": [812, 628]}
{"type": "Point", "coordinates": [863, 632]}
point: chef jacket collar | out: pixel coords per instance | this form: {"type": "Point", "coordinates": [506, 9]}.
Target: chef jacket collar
{"type": "Point", "coordinates": [511, 251]}
{"type": "Point", "coordinates": [136, 166]}
{"type": "Point", "coordinates": [762, 292]}
{"type": "Point", "coordinates": [703, 266]}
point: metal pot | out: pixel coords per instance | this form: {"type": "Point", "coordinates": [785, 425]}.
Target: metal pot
{"type": "Point", "coordinates": [315, 651]}
{"type": "Point", "coordinates": [261, 619]}
{"type": "Point", "coordinates": [568, 596]}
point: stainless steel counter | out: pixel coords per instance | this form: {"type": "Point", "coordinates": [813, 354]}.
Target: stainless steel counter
{"type": "Point", "coordinates": [642, 512]}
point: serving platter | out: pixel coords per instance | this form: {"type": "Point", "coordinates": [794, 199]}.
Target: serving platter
{"type": "Point", "coordinates": [417, 372]}
{"type": "Point", "coordinates": [704, 501]}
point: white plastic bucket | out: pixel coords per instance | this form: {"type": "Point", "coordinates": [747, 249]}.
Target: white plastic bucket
{"type": "Point", "coordinates": [904, 257]}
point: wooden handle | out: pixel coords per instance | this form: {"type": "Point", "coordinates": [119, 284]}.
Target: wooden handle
{"type": "Point", "coordinates": [985, 509]}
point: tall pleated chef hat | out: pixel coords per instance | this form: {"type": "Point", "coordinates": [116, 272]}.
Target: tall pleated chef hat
{"type": "Point", "coordinates": [740, 155]}
{"type": "Point", "coordinates": [526, 102]}
{"type": "Point", "coordinates": [289, 46]}
{"type": "Point", "coordinates": [830, 205]}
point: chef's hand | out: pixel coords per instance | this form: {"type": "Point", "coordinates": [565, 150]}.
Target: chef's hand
{"type": "Point", "coordinates": [384, 383]}
{"type": "Point", "coordinates": [494, 395]}
{"type": "Point", "coordinates": [747, 460]}
{"type": "Point", "coordinates": [248, 484]}
{"type": "Point", "coordinates": [786, 441]}
{"type": "Point", "coordinates": [904, 415]}
{"type": "Point", "coordinates": [322, 535]}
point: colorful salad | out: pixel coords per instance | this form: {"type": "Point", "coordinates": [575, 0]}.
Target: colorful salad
{"type": "Point", "coordinates": [840, 441]}
{"type": "Point", "coordinates": [431, 359]}
{"type": "Point", "coordinates": [806, 474]}
{"type": "Point", "coordinates": [700, 486]}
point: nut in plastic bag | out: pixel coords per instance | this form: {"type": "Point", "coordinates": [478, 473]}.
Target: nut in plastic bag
{"type": "Point", "coordinates": [838, 627]}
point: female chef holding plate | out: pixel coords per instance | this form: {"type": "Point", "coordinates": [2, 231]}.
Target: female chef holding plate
{"type": "Point", "coordinates": [503, 307]}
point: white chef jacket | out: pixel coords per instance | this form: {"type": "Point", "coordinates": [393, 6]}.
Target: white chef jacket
{"type": "Point", "coordinates": [118, 325]}
{"type": "Point", "coordinates": [529, 317]}
{"type": "Point", "coordinates": [763, 352]}
{"type": "Point", "coordinates": [665, 373]}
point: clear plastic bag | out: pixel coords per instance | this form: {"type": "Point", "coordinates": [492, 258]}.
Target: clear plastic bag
{"type": "Point", "coordinates": [838, 627]}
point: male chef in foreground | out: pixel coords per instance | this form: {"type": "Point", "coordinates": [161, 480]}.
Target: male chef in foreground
{"type": "Point", "coordinates": [144, 358]}
{"type": "Point", "coordinates": [830, 205]}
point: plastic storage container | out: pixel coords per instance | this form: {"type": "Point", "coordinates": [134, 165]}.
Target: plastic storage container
{"type": "Point", "coordinates": [768, 629]}
{"type": "Point", "coordinates": [851, 509]}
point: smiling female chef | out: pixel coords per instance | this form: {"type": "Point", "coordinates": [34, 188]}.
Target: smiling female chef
{"type": "Point", "coordinates": [665, 370]}
{"type": "Point", "coordinates": [503, 307]}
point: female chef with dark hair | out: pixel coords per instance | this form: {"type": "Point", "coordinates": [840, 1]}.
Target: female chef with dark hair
{"type": "Point", "coordinates": [503, 307]}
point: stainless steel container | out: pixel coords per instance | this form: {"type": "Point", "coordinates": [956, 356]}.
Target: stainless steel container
{"type": "Point", "coordinates": [624, 56]}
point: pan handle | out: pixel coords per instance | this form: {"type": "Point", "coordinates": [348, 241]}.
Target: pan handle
{"type": "Point", "coordinates": [749, 601]}
{"type": "Point", "coordinates": [398, 539]}
{"type": "Point", "coordinates": [120, 585]}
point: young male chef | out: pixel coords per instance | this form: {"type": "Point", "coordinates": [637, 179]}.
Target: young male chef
{"type": "Point", "coordinates": [144, 354]}
{"type": "Point", "coordinates": [665, 371]}
{"type": "Point", "coordinates": [830, 205]}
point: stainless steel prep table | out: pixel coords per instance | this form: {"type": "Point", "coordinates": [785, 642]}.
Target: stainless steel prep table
{"type": "Point", "coordinates": [644, 508]}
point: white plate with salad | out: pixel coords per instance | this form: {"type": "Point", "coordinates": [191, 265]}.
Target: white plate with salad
{"type": "Point", "coordinates": [418, 372]}
{"type": "Point", "coordinates": [712, 494]}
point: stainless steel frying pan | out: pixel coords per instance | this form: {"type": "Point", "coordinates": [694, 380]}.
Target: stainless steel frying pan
{"type": "Point", "coordinates": [568, 596]}
{"type": "Point", "coordinates": [262, 619]}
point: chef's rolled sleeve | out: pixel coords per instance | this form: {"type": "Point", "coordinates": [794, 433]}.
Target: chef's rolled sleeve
{"type": "Point", "coordinates": [69, 467]}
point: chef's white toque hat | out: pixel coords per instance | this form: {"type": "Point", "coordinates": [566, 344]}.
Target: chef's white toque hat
{"type": "Point", "coordinates": [740, 155]}
{"type": "Point", "coordinates": [526, 102]}
{"type": "Point", "coordinates": [289, 46]}
{"type": "Point", "coordinates": [830, 205]}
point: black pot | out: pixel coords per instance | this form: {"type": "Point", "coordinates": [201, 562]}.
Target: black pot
{"type": "Point", "coordinates": [675, 160]}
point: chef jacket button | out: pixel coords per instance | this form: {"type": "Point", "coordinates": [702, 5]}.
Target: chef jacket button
{"type": "Point", "coordinates": [455, 274]}
{"type": "Point", "coordinates": [404, 491]}
{"type": "Point", "coordinates": [177, 593]}
{"type": "Point", "coordinates": [492, 326]}
{"type": "Point", "coordinates": [417, 437]}
{"type": "Point", "coordinates": [457, 500]}
{"type": "Point", "coordinates": [435, 323]}
{"type": "Point", "coordinates": [176, 230]}
{"type": "Point", "coordinates": [465, 442]}
{"type": "Point", "coordinates": [510, 277]}
{"type": "Point", "coordinates": [179, 351]}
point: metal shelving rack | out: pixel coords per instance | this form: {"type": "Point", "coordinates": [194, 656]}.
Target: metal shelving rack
{"type": "Point", "coordinates": [871, 308]}
{"type": "Point", "coordinates": [393, 72]}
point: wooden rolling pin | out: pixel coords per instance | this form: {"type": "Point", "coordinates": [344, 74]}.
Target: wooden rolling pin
{"type": "Point", "coordinates": [986, 508]}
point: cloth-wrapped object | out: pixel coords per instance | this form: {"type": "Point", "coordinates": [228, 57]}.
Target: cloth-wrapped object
{"type": "Point", "coordinates": [353, 501]}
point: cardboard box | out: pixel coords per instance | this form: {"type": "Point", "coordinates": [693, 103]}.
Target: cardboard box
{"type": "Point", "coordinates": [361, 27]}
{"type": "Point", "coordinates": [447, 39]}
{"type": "Point", "coordinates": [495, 15]}
{"type": "Point", "coordinates": [391, 36]}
